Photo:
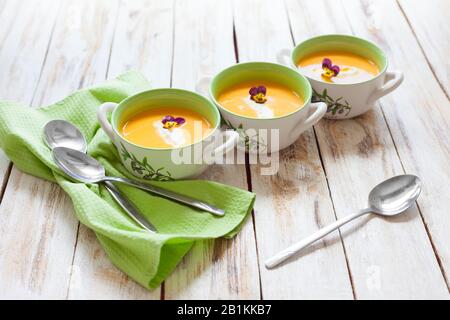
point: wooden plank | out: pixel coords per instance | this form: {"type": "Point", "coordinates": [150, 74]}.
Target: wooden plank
{"type": "Point", "coordinates": [79, 52]}
{"type": "Point", "coordinates": [94, 277]}
{"type": "Point", "coordinates": [417, 114]}
{"type": "Point", "coordinates": [221, 269]}
{"type": "Point", "coordinates": [304, 23]}
{"type": "Point", "coordinates": [37, 266]}
{"type": "Point", "coordinates": [36, 259]}
{"type": "Point", "coordinates": [295, 202]}
{"type": "Point", "coordinates": [37, 237]}
{"type": "Point", "coordinates": [24, 37]}
{"type": "Point", "coordinates": [429, 22]}
{"type": "Point", "coordinates": [143, 41]}
{"type": "Point", "coordinates": [358, 154]}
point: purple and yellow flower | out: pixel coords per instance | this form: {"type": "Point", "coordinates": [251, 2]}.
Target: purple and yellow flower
{"type": "Point", "coordinates": [170, 122]}
{"type": "Point", "coordinates": [329, 70]}
{"type": "Point", "coordinates": [258, 94]}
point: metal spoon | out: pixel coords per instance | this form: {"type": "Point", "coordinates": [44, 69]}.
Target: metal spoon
{"type": "Point", "coordinates": [389, 198]}
{"type": "Point", "coordinates": [83, 167]}
{"type": "Point", "coordinates": [61, 133]}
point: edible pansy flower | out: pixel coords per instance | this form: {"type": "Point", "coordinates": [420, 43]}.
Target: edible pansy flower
{"type": "Point", "coordinates": [170, 122]}
{"type": "Point", "coordinates": [258, 94]}
{"type": "Point", "coordinates": [329, 70]}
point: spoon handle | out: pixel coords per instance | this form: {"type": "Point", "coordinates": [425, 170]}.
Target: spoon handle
{"type": "Point", "coordinates": [290, 251]}
{"type": "Point", "coordinates": [170, 195]}
{"type": "Point", "coordinates": [128, 207]}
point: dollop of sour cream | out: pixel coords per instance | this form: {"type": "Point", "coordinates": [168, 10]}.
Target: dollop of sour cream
{"type": "Point", "coordinates": [174, 136]}
{"type": "Point", "coordinates": [261, 110]}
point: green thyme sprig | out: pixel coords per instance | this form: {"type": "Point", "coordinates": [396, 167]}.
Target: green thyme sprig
{"type": "Point", "coordinates": [144, 168]}
{"type": "Point", "coordinates": [250, 143]}
{"type": "Point", "coordinates": [333, 106]}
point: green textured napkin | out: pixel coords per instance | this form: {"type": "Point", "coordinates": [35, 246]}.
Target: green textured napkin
{"type": "Point", "coordinates": [147, 258]}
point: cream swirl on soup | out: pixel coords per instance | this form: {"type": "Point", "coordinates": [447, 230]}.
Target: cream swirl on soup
{"type": "Point", "coordinates": [351, 68]}
{"type": "Point", "coordinates": [165, 128]}
{"type": "Point", "coordinates": [260, 100]}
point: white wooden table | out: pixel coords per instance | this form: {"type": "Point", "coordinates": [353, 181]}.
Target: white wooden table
{"type": "Point", "coordinates": [50, 48]}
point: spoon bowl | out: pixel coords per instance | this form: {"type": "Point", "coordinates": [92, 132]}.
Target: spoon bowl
{"type": "Point", "coordinates": [61, 133]}
{"type": "Point", "coordinates": [78, 165]}
{"type": "Point", "coordinates": [393, 196]}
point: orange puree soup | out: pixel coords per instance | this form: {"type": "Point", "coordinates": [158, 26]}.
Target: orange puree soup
{"type": "Point", "coordinates": [353, 68]}
{"type": "Point", "coordinates": [148, 130]}
{"type": "Point", "coordinates": [280, 100]}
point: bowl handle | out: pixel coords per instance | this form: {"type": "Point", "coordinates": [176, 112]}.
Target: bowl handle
{"type": "Point", "coordinates": [202, 85]}
{"type": "Point", "coordinates": [318, 110]}
{"type": "Point", "coordinates": [103, 119]}
{"type": "Point", "coordinates": [393, 80]}
{"type": "Point", "coordinates": [231, 139]}
{"type": "Point", "coordinates": [283, 56]}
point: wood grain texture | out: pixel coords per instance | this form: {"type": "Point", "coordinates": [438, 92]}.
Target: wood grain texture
{"type": "Point", "coordinates": [37, 236]}
{"type": "Point", "coordinates": [429, 21]}
{"type": "Point", "coordinates": [93, 276]}
{"type": "Point", "coordinates": [326, 173]}
{"type": "Point", "coordinates": [357, 154]}
{"type": "Point", "coordinates": [295, 202]}
{"type": "Point", "coordinates": [417, 114]}
{"type": "Point", "coordinates": [24, 37]}
{"type": "Point", "coordinates": [221, 269]}
{"type": "Point", "coordinates": [142, 41]}
{"type": "Point", "coordinates": [79, 52]}
{"type": "Point", "coordinates": [41, 265]}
